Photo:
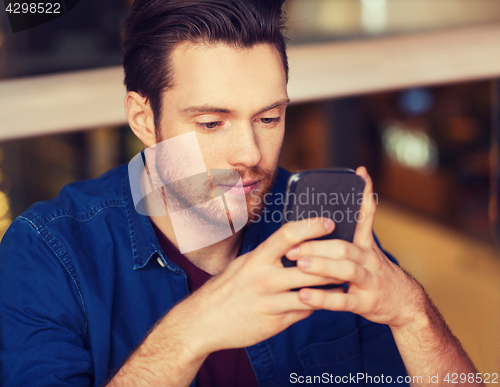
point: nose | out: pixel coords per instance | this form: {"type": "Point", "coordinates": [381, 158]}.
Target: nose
{"type": "Point", "coordinates": [244, 147]}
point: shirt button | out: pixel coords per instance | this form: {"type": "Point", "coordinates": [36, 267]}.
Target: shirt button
{"type": "Point", "coordinates": [160, 262]}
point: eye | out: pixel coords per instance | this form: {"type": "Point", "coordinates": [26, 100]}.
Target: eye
{"type": "Point", "coordinates": [268, 121]}
{"type": "Point", "coordinates": [209, 125]}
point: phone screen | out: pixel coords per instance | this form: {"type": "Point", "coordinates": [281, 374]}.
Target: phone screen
{"type": "Point", "coordinates": [333, 193]}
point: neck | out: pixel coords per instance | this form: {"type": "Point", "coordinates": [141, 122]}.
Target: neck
{"type": "Point", "coordinates": [212, 259]}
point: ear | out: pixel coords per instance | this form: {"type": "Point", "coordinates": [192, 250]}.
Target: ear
{"type": "Point", "coordinates": [140, 118]}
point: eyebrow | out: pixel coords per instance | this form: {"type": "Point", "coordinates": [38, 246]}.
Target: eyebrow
{"type": "Point", "coordinates": [215, 109]}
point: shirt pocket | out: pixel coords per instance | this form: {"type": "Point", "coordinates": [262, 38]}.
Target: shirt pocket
{"type": "Point", "coordinates": [339, 356]}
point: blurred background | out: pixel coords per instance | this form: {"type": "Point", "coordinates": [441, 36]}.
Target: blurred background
{"type": "Point", "coordinates": [408, 88]}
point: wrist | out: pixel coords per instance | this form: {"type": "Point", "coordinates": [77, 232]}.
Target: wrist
{"type": "Point", "coordinates": [414, 325]}
{"type": "Point", "coordinates": [160, 360]}
{"type": "Point", "coordinates": [186, 332]}
{"type": "Point", "coordinates": [170, 355]}
{"type": "Point", "coordinates": [427, 345]}
{"type": "Point", "coordinates": [423, 324]}
{"type": "Point", "coordinates": [415, 309]}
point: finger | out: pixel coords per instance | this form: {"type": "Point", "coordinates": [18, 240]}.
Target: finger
{"type": "Point", "coordinates": [343, 270]}
{"type": "Point", "coordinates": [363, 235]}
{"type": "Point", "coordinates": [332, 248]}
{"type": "Point", "coordinates": [295, 316]}
{"type": "Point", "coordinates": [291, 234]}
{"type": "Point", "coordinates": [334, 299]}
{"type": "Point", "coordinates": [284, 303]}
{"type": "Point", "coordinates": [294, 278]}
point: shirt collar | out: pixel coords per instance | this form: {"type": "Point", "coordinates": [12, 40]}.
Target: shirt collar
{"type": "Point", "coordinates": [145, 245]}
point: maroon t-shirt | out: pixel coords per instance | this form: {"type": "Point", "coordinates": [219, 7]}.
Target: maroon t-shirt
{"type": "Point", "coordinates": [227, 368]}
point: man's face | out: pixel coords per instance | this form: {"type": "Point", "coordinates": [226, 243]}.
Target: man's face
{"type": "Point", "coordinates": [235, 101]}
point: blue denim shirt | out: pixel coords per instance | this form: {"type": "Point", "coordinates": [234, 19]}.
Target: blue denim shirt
{"type": "Point", "coordinates": [81, 285]}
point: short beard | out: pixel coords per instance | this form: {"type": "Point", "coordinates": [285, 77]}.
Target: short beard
{"type": "Point", "coordinates": [195, 190]}
{"type": "Point", "coordinates": [255, 199]}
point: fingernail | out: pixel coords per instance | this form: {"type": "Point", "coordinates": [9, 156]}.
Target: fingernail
{"type": "Point", "coordinates": [364, 173]}
{"type": "Point", "coordinates": [305, 295]}
{"type": "Point", "coordinates": [293, 252]}
{"type": "Point", "coordinates": [304, 262]}
{"type": "Point", "coordinates": [328, 224]}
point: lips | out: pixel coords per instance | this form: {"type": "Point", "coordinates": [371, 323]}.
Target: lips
{"type": "Point", "coordinates": [248, 186]}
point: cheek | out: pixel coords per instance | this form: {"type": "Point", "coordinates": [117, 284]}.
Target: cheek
{"type": "Point", "coordinates": [172, 124]}
{"type": "Point", "coordinates": [271, 144]}
{"type": "Point", "coordinates": [213, 149]}
{"type": "Point", "coordinates": [171, 129]}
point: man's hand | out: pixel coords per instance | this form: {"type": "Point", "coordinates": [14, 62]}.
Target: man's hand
{"type": "Point", "coordinates": [378, 289]}
{"type": "Point", "coordinates": [251, 300]}
{"type": "Point", "coordinates": [381, 292]}
{"type": "Point", "coordinates": [247, 303]}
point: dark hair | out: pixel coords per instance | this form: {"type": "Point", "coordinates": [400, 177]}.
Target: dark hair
{"type": "Point", "coordinates": [155, 27]}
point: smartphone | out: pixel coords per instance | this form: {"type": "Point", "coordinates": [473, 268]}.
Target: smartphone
{"type": "Point", "coordinates": [334, 193]}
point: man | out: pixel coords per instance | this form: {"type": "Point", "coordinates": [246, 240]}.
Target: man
{"type": "Point", "coordinates": [93, 292]}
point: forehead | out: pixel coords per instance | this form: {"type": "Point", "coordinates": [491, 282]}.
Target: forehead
{"type": "Point", "coordinates": [225, 75]}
